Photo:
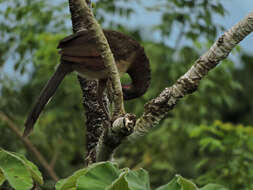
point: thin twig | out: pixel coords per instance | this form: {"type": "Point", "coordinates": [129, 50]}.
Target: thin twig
{"type": "Point", "coordinates": [29, 146]}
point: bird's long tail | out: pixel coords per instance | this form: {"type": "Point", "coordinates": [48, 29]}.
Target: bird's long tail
{"type": "Point", "coordinates": [47, 92]}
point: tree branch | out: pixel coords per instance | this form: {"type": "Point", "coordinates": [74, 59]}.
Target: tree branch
{"type": "Point", "coordinates": [108, 59]}
{"type": "Point", "coordinates": [94, 114]}
{"type": "Point", "coordinates": [83, 19]}
{"type": "Point", "coordinates": [158, 108]}
{"type": "Point", "coordinates": [30, 146]}
{"type": "Point", "coordinates": [77, 17]}
{"type": "Point", "coordinates": [113, 136]}
{"type": "Point", "coordinates": [95, 117]}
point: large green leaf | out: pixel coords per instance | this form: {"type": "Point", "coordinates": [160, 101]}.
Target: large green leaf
{"type": "Point", "coordinates": [15, 171]}
{"type": "Point", "coordinates": [2, 178]}
{"type": "Point", "coordinates": [98, 177]}
{"type": "Point", "coordinates": [172, 185]}
{"type": "Point", "coordinates": [185, 183]}
{"type": "Point", "coordinates": [107, 176]}
{"type": "Point", "coordinates": [213, 187]}
{"type": "Point", "coordinates": [138, 180]}
{"type": "Point", "coordinates": [120, 183]}
{"type": "Point", "coordinates": [36, 175]}
{"type": "Point", "coordinates": [70, 182]}
{"type": "Point", "coordinates": [179, 183]}
{"type": "Point", "coordinates": [131, 180]}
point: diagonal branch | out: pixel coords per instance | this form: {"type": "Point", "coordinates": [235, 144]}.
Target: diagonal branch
{"type": "Point", "coordinates": [158, 108]}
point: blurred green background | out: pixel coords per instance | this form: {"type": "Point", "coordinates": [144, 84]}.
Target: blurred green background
{"type": "Point", "coordinates": [206, 138]}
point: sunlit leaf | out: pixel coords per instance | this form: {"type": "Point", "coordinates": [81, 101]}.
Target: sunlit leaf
{"type": "Point", "coordinates": [213, 187]}
{"type": "Point", "coordinates": [70, 182]}
{"type": "Point", "coordinates": [15, 171]}
{"type": "Point", "coordinates": [98, 177]}
{"type": "Point", "coordinates": [2, 178]}
{"type": "Point", "coordinates": [185, 183]}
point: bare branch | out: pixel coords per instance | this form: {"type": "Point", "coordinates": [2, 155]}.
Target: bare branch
{"type": "Point", "coordinates": [158, 108]}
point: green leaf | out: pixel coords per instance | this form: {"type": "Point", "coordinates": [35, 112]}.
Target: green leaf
{"type": "Point", "coordinates": [15, 171]}
{"type": "Point", "coordinates": [172, 185]}
{"type": "Point", "coordinates": [120, 183]}
{"type": "Point", "coordinates": [179, 183]}
{"type": "Point", "coordinates": [99, 177]}
{"type": "Point", "coordinates": [186, 184]}
{"type": "Point", "coordinates": [70, 182]}
{"type": "Point", "coordinates": [36, 175]}
{"type": "Point", "coordinates": [107, 176]}
{"type": "Point", "coordinates": [138, 180]}
{"type": "Point", "coordinates": [131, 180]}
{"type": "Point", "coordinates": [213, 187]}
{"type": "Point", "coordinates": [2, 178]}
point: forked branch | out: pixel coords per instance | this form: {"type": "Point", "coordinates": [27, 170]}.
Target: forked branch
{"type": "Point", "coordinates": [158, 108]}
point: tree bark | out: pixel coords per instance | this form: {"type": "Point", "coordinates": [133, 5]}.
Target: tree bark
{"type": "Point", "coordinates": [96, 123]}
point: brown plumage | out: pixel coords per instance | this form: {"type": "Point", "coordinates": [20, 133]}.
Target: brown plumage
{"type": "Point", "coordinates": [79, 53]}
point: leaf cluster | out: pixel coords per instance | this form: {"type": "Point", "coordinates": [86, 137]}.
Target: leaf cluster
{"type": "Point", "coordinates": [226, 154]}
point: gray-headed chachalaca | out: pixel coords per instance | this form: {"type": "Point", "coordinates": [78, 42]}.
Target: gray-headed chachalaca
{"type": "Point", "coordinates": [78, 53]}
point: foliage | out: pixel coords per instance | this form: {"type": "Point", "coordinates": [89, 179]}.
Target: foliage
{"type": "Point", "coordinates": [18, 171]}
{"type": "Point", "coordinates": [241, 111]}
{"type": "Point", "coordinates": [107, 176]}
{"type": "Point", "coordinates": [35, 53]}
{"type": "Point", "coordinates": [21, 22]}
{"type": "Point", "coordinates": [189, 17]}
{"type": "Point", "coordinates": [226, 154]}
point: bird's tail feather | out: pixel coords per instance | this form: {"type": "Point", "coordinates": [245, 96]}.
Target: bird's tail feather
{"type": "Point", "coordinates": [47, 92]}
